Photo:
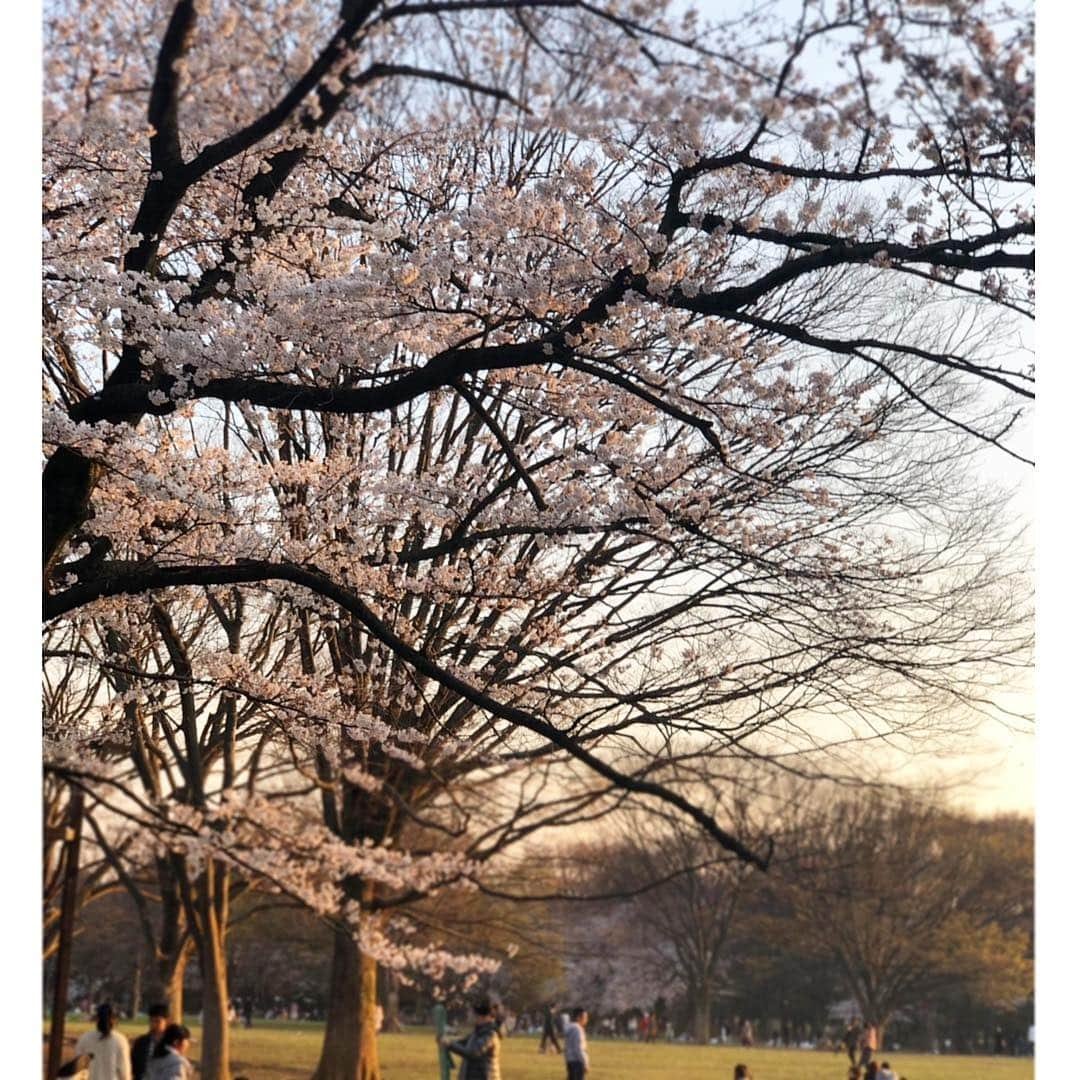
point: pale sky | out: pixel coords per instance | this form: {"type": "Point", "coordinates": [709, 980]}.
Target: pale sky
{"type": "Point", "coordinates": [997, 762]}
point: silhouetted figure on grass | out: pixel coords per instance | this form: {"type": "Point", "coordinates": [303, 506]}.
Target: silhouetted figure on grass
{"type": "Point", "coordinates": [550, 1034]}
{"type": "Point", "coordinates": [851, 1040]}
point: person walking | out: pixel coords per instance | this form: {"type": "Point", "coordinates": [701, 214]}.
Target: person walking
{"type": "Point", "coordinates": [549, 1032]}
{"type": "Point", "coordinates": [577, 1049]}
{"type": "Point", "coordinates": [142, 1049]}
{"type": "Point", "coordinates": [108, 1050]}
{"type": "Point", "coordinates": [479, 1052]}
{"type": "Point", "coordinates": [170, 1061]}
{"type": "Point", "coordinates": [851, 1040]}
{"type": "Point", "coordinates": [868, 1044]}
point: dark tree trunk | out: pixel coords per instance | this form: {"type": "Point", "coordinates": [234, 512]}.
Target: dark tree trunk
{"type": "Point", "coordinates": [66, 932]}
{"type": "Point", "coordinates": [702, 1015]}
{"type": "Point", "coordinates": [136, 990]}
{"type": "Point", "coordinates": [67, 483]}
{"type": "Point", "coordinates": [392, 1017]}
{"type": "Point", "coordinates": [171, 972]}
{"type": "Point", "coordinates": [350, 1050]}
{"type": "Point", "coordinates": [174, 946]}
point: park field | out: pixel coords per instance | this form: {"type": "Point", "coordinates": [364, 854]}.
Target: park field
{"type": "Point", "coordinates": [288, 1051]}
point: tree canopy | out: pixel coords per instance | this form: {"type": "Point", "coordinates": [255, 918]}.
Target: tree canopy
{"type": "Point", "coordinates": [443, 392]}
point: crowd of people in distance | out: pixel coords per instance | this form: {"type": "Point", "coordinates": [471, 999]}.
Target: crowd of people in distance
{"type": "Point", "coordinates": [105, 1054]}
{"type": "Point", "coordinates": [479, 1051]}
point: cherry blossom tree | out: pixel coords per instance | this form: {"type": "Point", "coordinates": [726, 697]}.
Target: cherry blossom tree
{"type": "Point", "coordinates": [570, 383]}
{"type": "Point", "coordinates": [155, 753]}
{"type": "Point", "coordinates": [176, 759]}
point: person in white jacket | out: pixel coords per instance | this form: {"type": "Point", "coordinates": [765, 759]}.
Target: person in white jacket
{"type": "Point", "coordinates": [575, 1047]}
{"type": "Point", "coordinates": [108, 1050]}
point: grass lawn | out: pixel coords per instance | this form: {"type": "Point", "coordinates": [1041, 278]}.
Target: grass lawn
{"type": "Point", "coordinates": [278, 1050]}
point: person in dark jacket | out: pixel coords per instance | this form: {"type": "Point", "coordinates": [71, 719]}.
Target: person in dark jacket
{"type": "Point", "coordinates": [142, 1049]}
{"type": "Point", "coordinates": [550, 1033]}
{"type": "Point", "coordinates": [851, 1039]}
{"type": "Point", "coordinates": [479, 1052]}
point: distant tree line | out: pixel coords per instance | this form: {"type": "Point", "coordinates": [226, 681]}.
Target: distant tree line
{"type": "Point", "coordinates": [893, 909]}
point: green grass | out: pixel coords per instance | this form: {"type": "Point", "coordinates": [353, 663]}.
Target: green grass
{"type": "Point", "coordinates": [288, 1051]}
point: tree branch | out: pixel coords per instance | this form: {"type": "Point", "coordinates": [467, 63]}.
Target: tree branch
{"type": "Point", "coordinates": [128, 579]}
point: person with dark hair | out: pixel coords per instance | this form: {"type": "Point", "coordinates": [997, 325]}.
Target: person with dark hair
{"type": "Point", "coordinates": [885, 1072]}
{"type": "Point", "coordinates": [108, 1050]}
{"type": "Point", "coordinates": [169, 1061]}
{"type": "Point", "coordinates": [479, 1052]}
{"type": "Point", "coordinates": [549, 1033]}
{"type": "Point", "coordinates": [871, 1071]}
{"type": "Point", "coordinates": [142, 1049]}
{"type": "Point", "coordinates": [742, 1072]}
{"type": "Point", "coordinates": [851, 1040]}
{"type": "Point", "coordinates": [577, 1049]}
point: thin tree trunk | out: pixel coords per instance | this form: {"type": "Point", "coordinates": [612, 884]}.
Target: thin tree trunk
{"type": "Point", "coordinates": [136, 990]}
{"type": "Point", "coordinates": [171, 972]}
{"type": "Point", "coordinates": [930, 1024]}
{"type": "Point", "coordinates": [392, 1017]}
{"type": "Point", "coordinates": [215, 1001]}
{"type": "Point", "coordinates": [212, 917]}
{"type": "Point", "coordinates": [350, 1050]}
{"type": "Point", "coordinates": [66, 932]}
{"type": "Point", "coordinates": [702, 1015]}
